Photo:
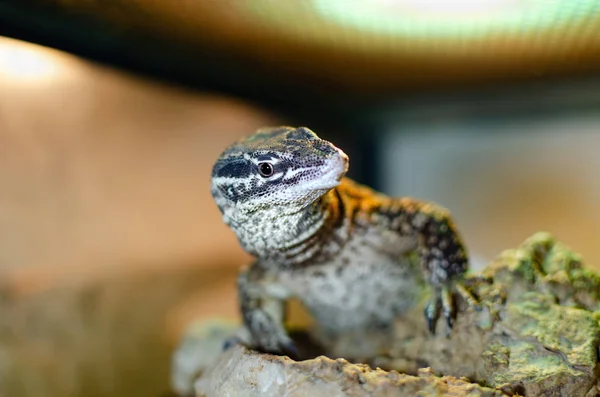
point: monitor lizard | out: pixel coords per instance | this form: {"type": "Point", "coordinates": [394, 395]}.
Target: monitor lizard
{"type": "Point", "coordinates": [327, 240]}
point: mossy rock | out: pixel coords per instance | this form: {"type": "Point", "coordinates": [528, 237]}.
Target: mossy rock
{"type": "Point", "coordinates": [536, 334]}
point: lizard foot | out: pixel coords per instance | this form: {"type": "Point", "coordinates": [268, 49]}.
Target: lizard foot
{"type": "Point", "coordinates": [444, 299]}
{"type": "Point", "coordinates": [287, 347]}
{"type": "Point", "coordinates": [269, 336]}
{"type": "Point", "coordinates": [230, 342]}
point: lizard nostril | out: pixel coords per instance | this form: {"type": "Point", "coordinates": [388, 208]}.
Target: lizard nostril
{"type": "Point", "coordinates": [344, 158]}
{"type": "Point", "coordinates": [343, 155]}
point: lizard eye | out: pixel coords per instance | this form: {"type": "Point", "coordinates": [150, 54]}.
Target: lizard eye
{"type": "Point", "coordinates": [265, 169]}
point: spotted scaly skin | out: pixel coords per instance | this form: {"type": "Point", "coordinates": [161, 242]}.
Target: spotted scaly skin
{"type": "Point", "coordinates": [332, 243]}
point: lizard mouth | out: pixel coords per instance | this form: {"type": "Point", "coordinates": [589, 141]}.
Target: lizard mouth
{"type": "Point", "coordinates": [333, 172]}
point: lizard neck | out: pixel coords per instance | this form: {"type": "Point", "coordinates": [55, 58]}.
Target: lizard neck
{"type": "Point", "coordinates": [294, 235]}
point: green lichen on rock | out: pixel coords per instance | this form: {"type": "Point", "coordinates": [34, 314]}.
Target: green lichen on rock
{"type": "Point", "coordinates": [572, 331]}
{"type": "Point", "coordinates": [546, 337]}
{"type": "Point", "coordinates": [547, 266]}
{"type": "Point", "coordinates": [543, 346]}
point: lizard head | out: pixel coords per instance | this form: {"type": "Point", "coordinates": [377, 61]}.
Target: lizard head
{"type": "Point", "coordinates": [286, 167]}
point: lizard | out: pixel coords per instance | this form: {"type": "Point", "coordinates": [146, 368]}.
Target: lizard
{"type": "Point", "coordinates": [330, 242]}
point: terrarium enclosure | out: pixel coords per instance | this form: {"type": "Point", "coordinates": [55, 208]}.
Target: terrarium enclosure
{"type": "Point", "coordinates": [113, 113]}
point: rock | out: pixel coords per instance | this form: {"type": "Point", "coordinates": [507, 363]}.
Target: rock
{"type": "Point", "coordinates": [240, 372]}
{"type": "Point", "coordinates": [536, 333]}
{"type": "Point", "coordinates": [198, 352]}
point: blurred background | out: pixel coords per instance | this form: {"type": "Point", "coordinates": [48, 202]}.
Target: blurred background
{"type": "Point", "coordinates": [113, 112]}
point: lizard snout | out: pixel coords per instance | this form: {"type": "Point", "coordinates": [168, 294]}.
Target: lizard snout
{"type": "Point", "coordinates": [344, 160]}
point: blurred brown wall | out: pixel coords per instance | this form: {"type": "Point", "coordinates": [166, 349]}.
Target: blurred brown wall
{"type": "Point", "coordinates": [98, 167]}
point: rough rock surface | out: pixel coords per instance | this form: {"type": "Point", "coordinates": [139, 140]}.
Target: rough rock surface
{"type": "Point", "coordinates": [241, 372]}
{"type": "Point", "coordinates": [536, 334]}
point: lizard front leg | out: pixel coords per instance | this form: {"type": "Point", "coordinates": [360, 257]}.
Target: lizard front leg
{"type": "Point", "coordinates": [444, 259]}
{"type": "Point", "coordinates": [443, 255]}
{"type": "Point", "coordinates": [262, 303]}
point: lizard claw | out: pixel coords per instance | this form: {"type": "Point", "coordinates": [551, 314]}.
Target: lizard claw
{"type": "Point", "coordinates": [290, 350]}
{"type": "Point", "coordinates": [287, 347]}
{"type": "Point", "coordinates": [230, 342]}
{"type": "Point", "coordinates": [284, 348]}
{"type": "Point", "coordinates": [431, 315]}
{"type": "Point", "coordinates": [444, 298]}
{"type": "Point", "coordinates": [448, 309]}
